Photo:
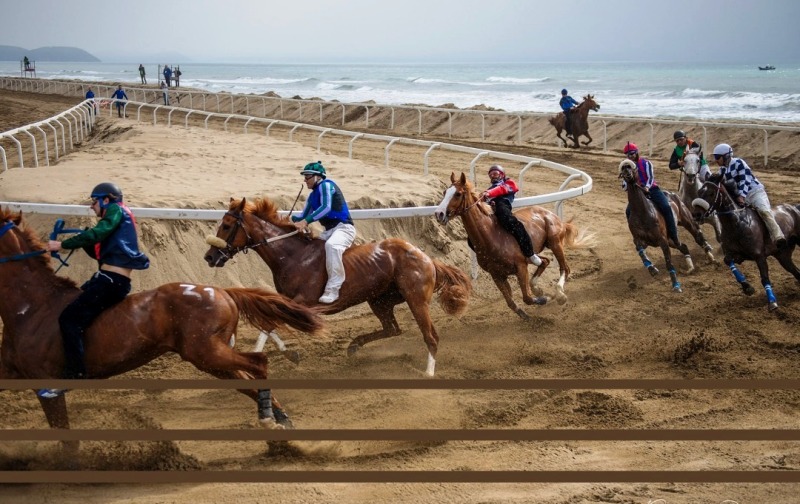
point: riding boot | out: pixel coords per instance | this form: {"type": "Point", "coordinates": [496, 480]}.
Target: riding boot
{"type": "Point", "coordinates": [775, 232]}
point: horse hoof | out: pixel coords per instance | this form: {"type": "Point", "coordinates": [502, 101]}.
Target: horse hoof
{"type": "Point", "coordinates": [561, 298]}
{"type": "Point", "coordinates": [524, 316]}
{"type": "Point", "coordinates": [352, 349]}
{"type": "Point", "coordinates": [772, 306]}
{"type": "Point", "coordinates": [653, 270]}
{"type": "Point", "coordinates": [292, 356]}
{"type": "Point", "coordinates": [677, 289]}
{"type": "Point", "coordinates": [541, 300]}
{"type": "Point", "coordinates": [269, 423]}
{"type": "Point", "coordinates": [748, 289]}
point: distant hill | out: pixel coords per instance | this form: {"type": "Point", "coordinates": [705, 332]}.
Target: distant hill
{"type": "Point", "coordinates": [13, 53]}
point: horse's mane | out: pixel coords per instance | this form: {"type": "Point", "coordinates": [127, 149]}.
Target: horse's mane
{"type": "Point", "coordinates": [35, 243]}
{"type": "Point", "coordinates": [485, 208]}
{"type": "Point", "coordinates": [266, 210]}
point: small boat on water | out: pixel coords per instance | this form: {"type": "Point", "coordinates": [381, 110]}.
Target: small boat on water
{"type": "Point", "coordinates": [768, 67]}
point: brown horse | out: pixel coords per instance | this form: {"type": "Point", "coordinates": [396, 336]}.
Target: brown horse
{"type": "Point", "coordinates": [579, 121]}
{"type": "Point", "coordinates": [648, 228]}
{"type": "Point", "coordinates": [745, 237]}
{"type": "Point", "coordinates": [382, 274]}
{"type": "Point", "coordinates": [195, 321]}
{"type": "Point", "coordinates": [498, 252]}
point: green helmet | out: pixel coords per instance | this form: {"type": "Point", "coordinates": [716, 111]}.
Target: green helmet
{"type": "Point", "coordinates": [314, 169]}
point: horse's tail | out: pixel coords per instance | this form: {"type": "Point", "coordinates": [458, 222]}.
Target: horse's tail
{"type": "Point", "coordinates": [454, 288]}
{"type": "Point", "coordinates": [265, 310]}
{"type": "Point", "coordinates": [574, 238]}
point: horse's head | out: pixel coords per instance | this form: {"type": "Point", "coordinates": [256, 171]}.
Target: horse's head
{"type": "Point", "coordinates": [628, 172]}
{"type": "Point", "coordinates": [711, 197]}
{"type": "Point", "coordinates": [231, 237]}
{"type": "Point", "coordinates": [691, 164]}
{"type": "Point", "coordinates": [588, 101]}
{"type": "Point", "coordinates": [458, 198]}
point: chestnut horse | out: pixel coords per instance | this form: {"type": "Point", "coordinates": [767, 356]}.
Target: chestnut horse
{"type": "Point", "coordinates": [195, 321]}
{"type": "Point", "coordinates": [498, 252]}
{"type": "Point", "coordinates": [745, 236]}
{"type": "Point", "coordinates": [382, 274]}
{"type": "Point", "coordinates": [648, 228]}
{"type": "Point", "coordinates": [579, 121]}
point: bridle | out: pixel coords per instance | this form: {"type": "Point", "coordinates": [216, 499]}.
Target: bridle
{"type": "Point", "coordinates": [17, 257]}
{"type": "Point", "coordinates": [716, 203]}
{"type": "Point", "coordinates": [230, 250]}
{"type": "Point", "coordinates": [463, 208]}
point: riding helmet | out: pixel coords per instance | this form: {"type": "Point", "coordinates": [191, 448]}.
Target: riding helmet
{"type": "Point", "coordinates": [630, 147]}
{"type": "Point", "coordinates": [723, 150]}
{"type": "Point", "coordinates": [109, 189]}
{"type": "Point", "coordinates": [497, 168]}
{"type": "Point", "coordinates": [564, 91]}
{"type": "Point", "coordinates": [678, 134]}
{"type": "Point", "coordinates": [314, 169]}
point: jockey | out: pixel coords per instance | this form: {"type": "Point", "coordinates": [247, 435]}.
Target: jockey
{"type": "Point", "coordinates": [647, 182]}
{"type": "Point", "coordinates": [682, 145]}
{"type": "Point", "coordinates": [748, 189]}
{"type": "Point", "coordinates": [327, 205]}
{"type": "Point", "coordinates": [115, 246]}
{"type": "Point", "coordinates": [567, 102]}
{"type": "Point", "coordinates": [501, 194]}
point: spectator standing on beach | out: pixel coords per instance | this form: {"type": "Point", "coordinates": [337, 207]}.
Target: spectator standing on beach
{"type": "Point", "coordinates": [118, 95]}
{"type": "Point", "coordinates": [142, 74]}
{"type": "Point", "coordinates": [165, 90]}
{"type": "Point", "coordinates": [90, 96]}
{"type": "Point", "coordinates": [177, 76]}
{"type": "Point", "coordinates": [26, 62]}
{"type": "Point", "coordinates": [167, 74]}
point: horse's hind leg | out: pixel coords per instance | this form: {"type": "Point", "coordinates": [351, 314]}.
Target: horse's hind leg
{"type": "Point", "coordinates": [383, 308]}
{"type": "Point", "coordinates": [763, 269]}
{"type": "Point", "coordinates": [525, 287]}
{"type": "Point", "coordinates": [420, 308]}
{"type": "Point", "coordinates": [785, 260]}
{"type": "Point", "coordinates": [683, 249]}
{"type": "Point", "coordinates": [589, 137]}
{"type": "Point", "coordinates": [558, 250]}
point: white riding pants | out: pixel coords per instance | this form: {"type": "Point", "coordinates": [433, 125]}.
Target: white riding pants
{"type": "Point", "coordinates": [337, 240]}
{"type": "Point", "coordinates": [758, 199]}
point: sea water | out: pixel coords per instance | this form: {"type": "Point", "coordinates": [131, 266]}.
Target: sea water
{"type": "Point", "coordinates": [664, 90]}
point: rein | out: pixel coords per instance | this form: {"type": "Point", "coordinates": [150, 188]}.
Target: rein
{"type": "Point", "coordinates": [229, 250]}
{"type": "Point", "coordinates": [17, 257]}
{"type": "Point", "coordinates": [462, 211]}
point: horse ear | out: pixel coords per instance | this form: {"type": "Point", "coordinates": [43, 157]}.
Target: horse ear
{"type": "Point", "coordinates": [452, 177]}
{"type": "Point", "coordinates": [463, 179]}
{"type": "Point", "coordinates": [240, 207]}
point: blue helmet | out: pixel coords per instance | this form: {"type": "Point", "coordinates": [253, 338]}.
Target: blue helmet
{"type": "Point", "coordinates": [564, 91]}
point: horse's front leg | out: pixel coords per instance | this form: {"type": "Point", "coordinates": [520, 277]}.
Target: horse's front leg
{"type": "Point", "coordinates": [55, 410]}
{"type": "Point", "coordinates": [763, 270]}
{"type": "Point", "coordinates": [673, 275]}
{"type": "Point", "coordinates": [505, 290]}
{"type": "Point", "coordinates": [739, 276]}
{"type": "Point", "coordinates": [558, 134]}
{"type": "Point", "coordinates": [642, 250]}
{"type": "Point", "coordinates": [589, 137]}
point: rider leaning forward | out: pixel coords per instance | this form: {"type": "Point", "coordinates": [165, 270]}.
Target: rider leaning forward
{"type": "Point", "coordinates": [113, 242]}
{"type": "Point", "coordinates": [327, 205]}
{"type": "Point", "coordinates": [682, 145]}
{"type": "Point", "coordinates": [748, 189]}
{"type": "Point", "coordinates": [647, 182]}
{"type": "Point", "coordinates": [501, 195]}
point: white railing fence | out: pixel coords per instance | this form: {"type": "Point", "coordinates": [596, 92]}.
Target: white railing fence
{"type": "Point", "coordinates": [322, 112]}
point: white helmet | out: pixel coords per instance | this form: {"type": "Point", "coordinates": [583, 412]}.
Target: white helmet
{"type": "Point", "coordinates": [722, 150]}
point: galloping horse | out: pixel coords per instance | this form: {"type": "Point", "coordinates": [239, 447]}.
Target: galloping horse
{"type": "Point", "coordinates": [195, 321]}
{"type": "Point", "coordinates": [648, 228]}
{"type": "Point", "coordinates": [498, 252]}
{"type": "Point", "coordinates": [579, 122]}
{"type": "Point", "coordinates": [745, 236]}
{"type": "Point", "coordinates": [690, 184]}
{"type": "Point", "coordinates": [382, 274]}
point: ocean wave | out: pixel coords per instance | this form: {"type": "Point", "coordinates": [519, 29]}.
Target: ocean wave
{"type": "Point", "coordinates": [518, 80]}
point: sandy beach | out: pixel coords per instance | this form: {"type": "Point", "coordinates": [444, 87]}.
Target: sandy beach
{"type": "Point", "coordinates": [619, 322]}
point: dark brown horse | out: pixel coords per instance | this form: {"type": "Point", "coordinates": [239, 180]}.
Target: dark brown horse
{"type": "Point", "coordinates": [382, 274]}
{"type": "Point", "coordinates": [578, 119]}
{"type": "Point", "coordinates": [648, 228]}
{"type": "Point", "coordinates": [195, 321]}
{"type": "Point", "coordinates": [745, 237]}
{"type": "Point", "coordinates": [498, 252]}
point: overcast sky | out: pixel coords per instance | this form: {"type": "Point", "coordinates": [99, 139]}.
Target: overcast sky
{"type": "Point", "coordinates": [331, 31]}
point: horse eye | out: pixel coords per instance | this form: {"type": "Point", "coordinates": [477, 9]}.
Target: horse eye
{"type": "Point", "coordinates": [225, 227]}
